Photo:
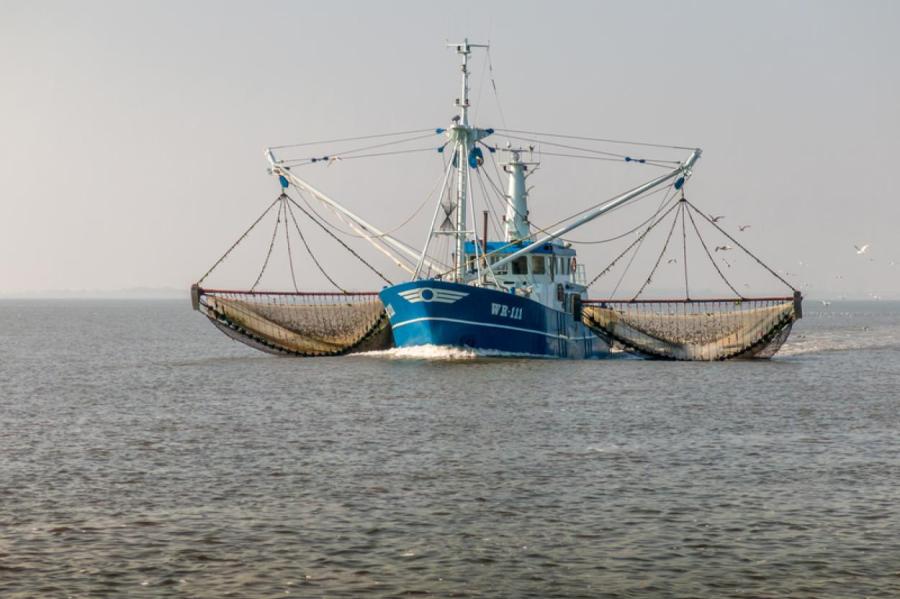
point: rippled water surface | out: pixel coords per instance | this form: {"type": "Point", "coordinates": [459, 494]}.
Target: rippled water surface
{"type": "Point", "coordinates": [144, 454]}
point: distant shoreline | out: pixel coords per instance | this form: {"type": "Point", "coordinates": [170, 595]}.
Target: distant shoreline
{"type": "Point", "coordinates": [119, 294]}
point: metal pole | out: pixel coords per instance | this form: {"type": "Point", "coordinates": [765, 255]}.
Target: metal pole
{"type": "Point", "coordinates": [369, 228]}
{"type": "Point", "coordinates": [462, 170]}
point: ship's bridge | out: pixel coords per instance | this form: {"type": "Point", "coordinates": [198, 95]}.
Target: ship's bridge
{"type": "Point", "coordinates": [550, 263]}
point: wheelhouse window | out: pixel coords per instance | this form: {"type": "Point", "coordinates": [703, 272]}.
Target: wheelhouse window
{"type": "Point", "coordinates": [520, 265]}
{"type": "Point", "coordinates": [501, 270]}
{"type": "Point", "coordinates": [537, 265]}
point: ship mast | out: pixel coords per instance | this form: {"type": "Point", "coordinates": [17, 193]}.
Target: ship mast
{"type": "Point", "coordinates": [464, 137]}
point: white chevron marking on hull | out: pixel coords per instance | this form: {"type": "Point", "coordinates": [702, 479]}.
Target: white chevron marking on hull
{"type": "Point", "coordinates": [428, 295]}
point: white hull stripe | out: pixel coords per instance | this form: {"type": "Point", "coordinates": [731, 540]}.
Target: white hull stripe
{"type": "Point", "coordinates": [488, 324]}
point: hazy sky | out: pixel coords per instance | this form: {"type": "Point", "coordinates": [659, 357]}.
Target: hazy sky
{"type": "Point", "coordinates": [132, 133]}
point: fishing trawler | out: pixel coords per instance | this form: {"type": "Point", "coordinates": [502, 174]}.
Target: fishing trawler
{"type": "Point", "coordinates": [524, 293]}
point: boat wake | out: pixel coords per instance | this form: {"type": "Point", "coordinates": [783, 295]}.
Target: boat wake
{"type": "Point", "coordinates": [442, 353]}
{"type": "Point", "coordinates": [822, 343]}
{"type": "Point", "coordinates": [846, 336]}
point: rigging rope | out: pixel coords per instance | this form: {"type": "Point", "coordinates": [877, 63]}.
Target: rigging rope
{"type": "Point", "coordinates": [490, 204]}
{"type": "Point", "coordinates": [709, 255]}
{"type": "Point", "coordinates": [684, 212]}
{"type": "Point", "coordinates": [498, 200]}
{"type": "Point", "coordinates": [308, 249]}
{"type": "Point", "coordinates": [737, 243]}
{"type": "Point", "coordinates": [373, 239]}
{"type": "Point", "coordinates": [659, 163]}
{"type": "Point", "coordinates": [633, 243]}
{"type": "Point", "coordinates": [239, 240]}
{"type": "Point", "coordinates": [665, 201]}
{"type": "Point", "coordinates": [687, 294]}
{"type": "Point", "coordinates": [287, 239]}
{"type": "Point", "coordinates": [545, 231]}
{"type": "Point", "coordinates": [637, 249]}
{"type": "Point", "coordinates": [624, 157]}
{"type": "Point", "coordinates": [305, 161]}
{"type": "Point", "coordinates": [384, 144]}
{"type": "Point", "coordinates": [477, 103]}
{"type": "Point", "coordinates": [332, 141]}
{"type": "Point", "coordinates": [271, 245]}
{"type": "Point", "coordinates": [322, 218]}
{"type": "Point", "coordinates": [600, 139]}
{"type": "Point", "coordinates": [339, 240]}
{"type": "Point", "coordinates": [343, 155]}
{"type": "Point", "coordinates": [447, 168]}
{"type": "Point", "coordinates": [640, 244]}
{"type": "Point", "coordinates": [392, 231]}
{"type": "Point", "coordinates": [662, 253]}
{"type": "Point", "coordinates": [494, 86]}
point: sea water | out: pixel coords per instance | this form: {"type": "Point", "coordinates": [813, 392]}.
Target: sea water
{"type": "Point", "coordinates": [144, 454]}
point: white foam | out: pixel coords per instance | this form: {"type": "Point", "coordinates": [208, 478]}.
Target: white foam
{"type": "Point", "coordinates": [848, 336]}
{"type": "Point", "coordinates": [814, 343]}
{"type": "Point", "coordinates": [442, 352]}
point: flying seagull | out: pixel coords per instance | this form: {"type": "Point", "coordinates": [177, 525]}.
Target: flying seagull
{"type": "Point", "coordinates": [862, 250]}
{"type": "Point", "coordinates": [715, 219]}
{"type": "Point", "coordinates": [743, 227]}
{"type": "Point", "coordinates": [672, 261]}
{"type": "Point", "coordinates": [724, 248]}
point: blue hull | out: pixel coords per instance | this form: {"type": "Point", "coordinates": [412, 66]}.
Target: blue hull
{"type": "Point", "coordinates": [449, 314]}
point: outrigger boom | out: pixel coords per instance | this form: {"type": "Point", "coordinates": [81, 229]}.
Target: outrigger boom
{"type": "Point", "coordinates": [369, 232]}
{"type": "Point", "coordinates": [683, 169]}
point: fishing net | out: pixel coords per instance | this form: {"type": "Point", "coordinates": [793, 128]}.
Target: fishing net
{"type": "Point", "coordinates": [299, 323]}
{"type": "Point", "coordinates": [696, 329]}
